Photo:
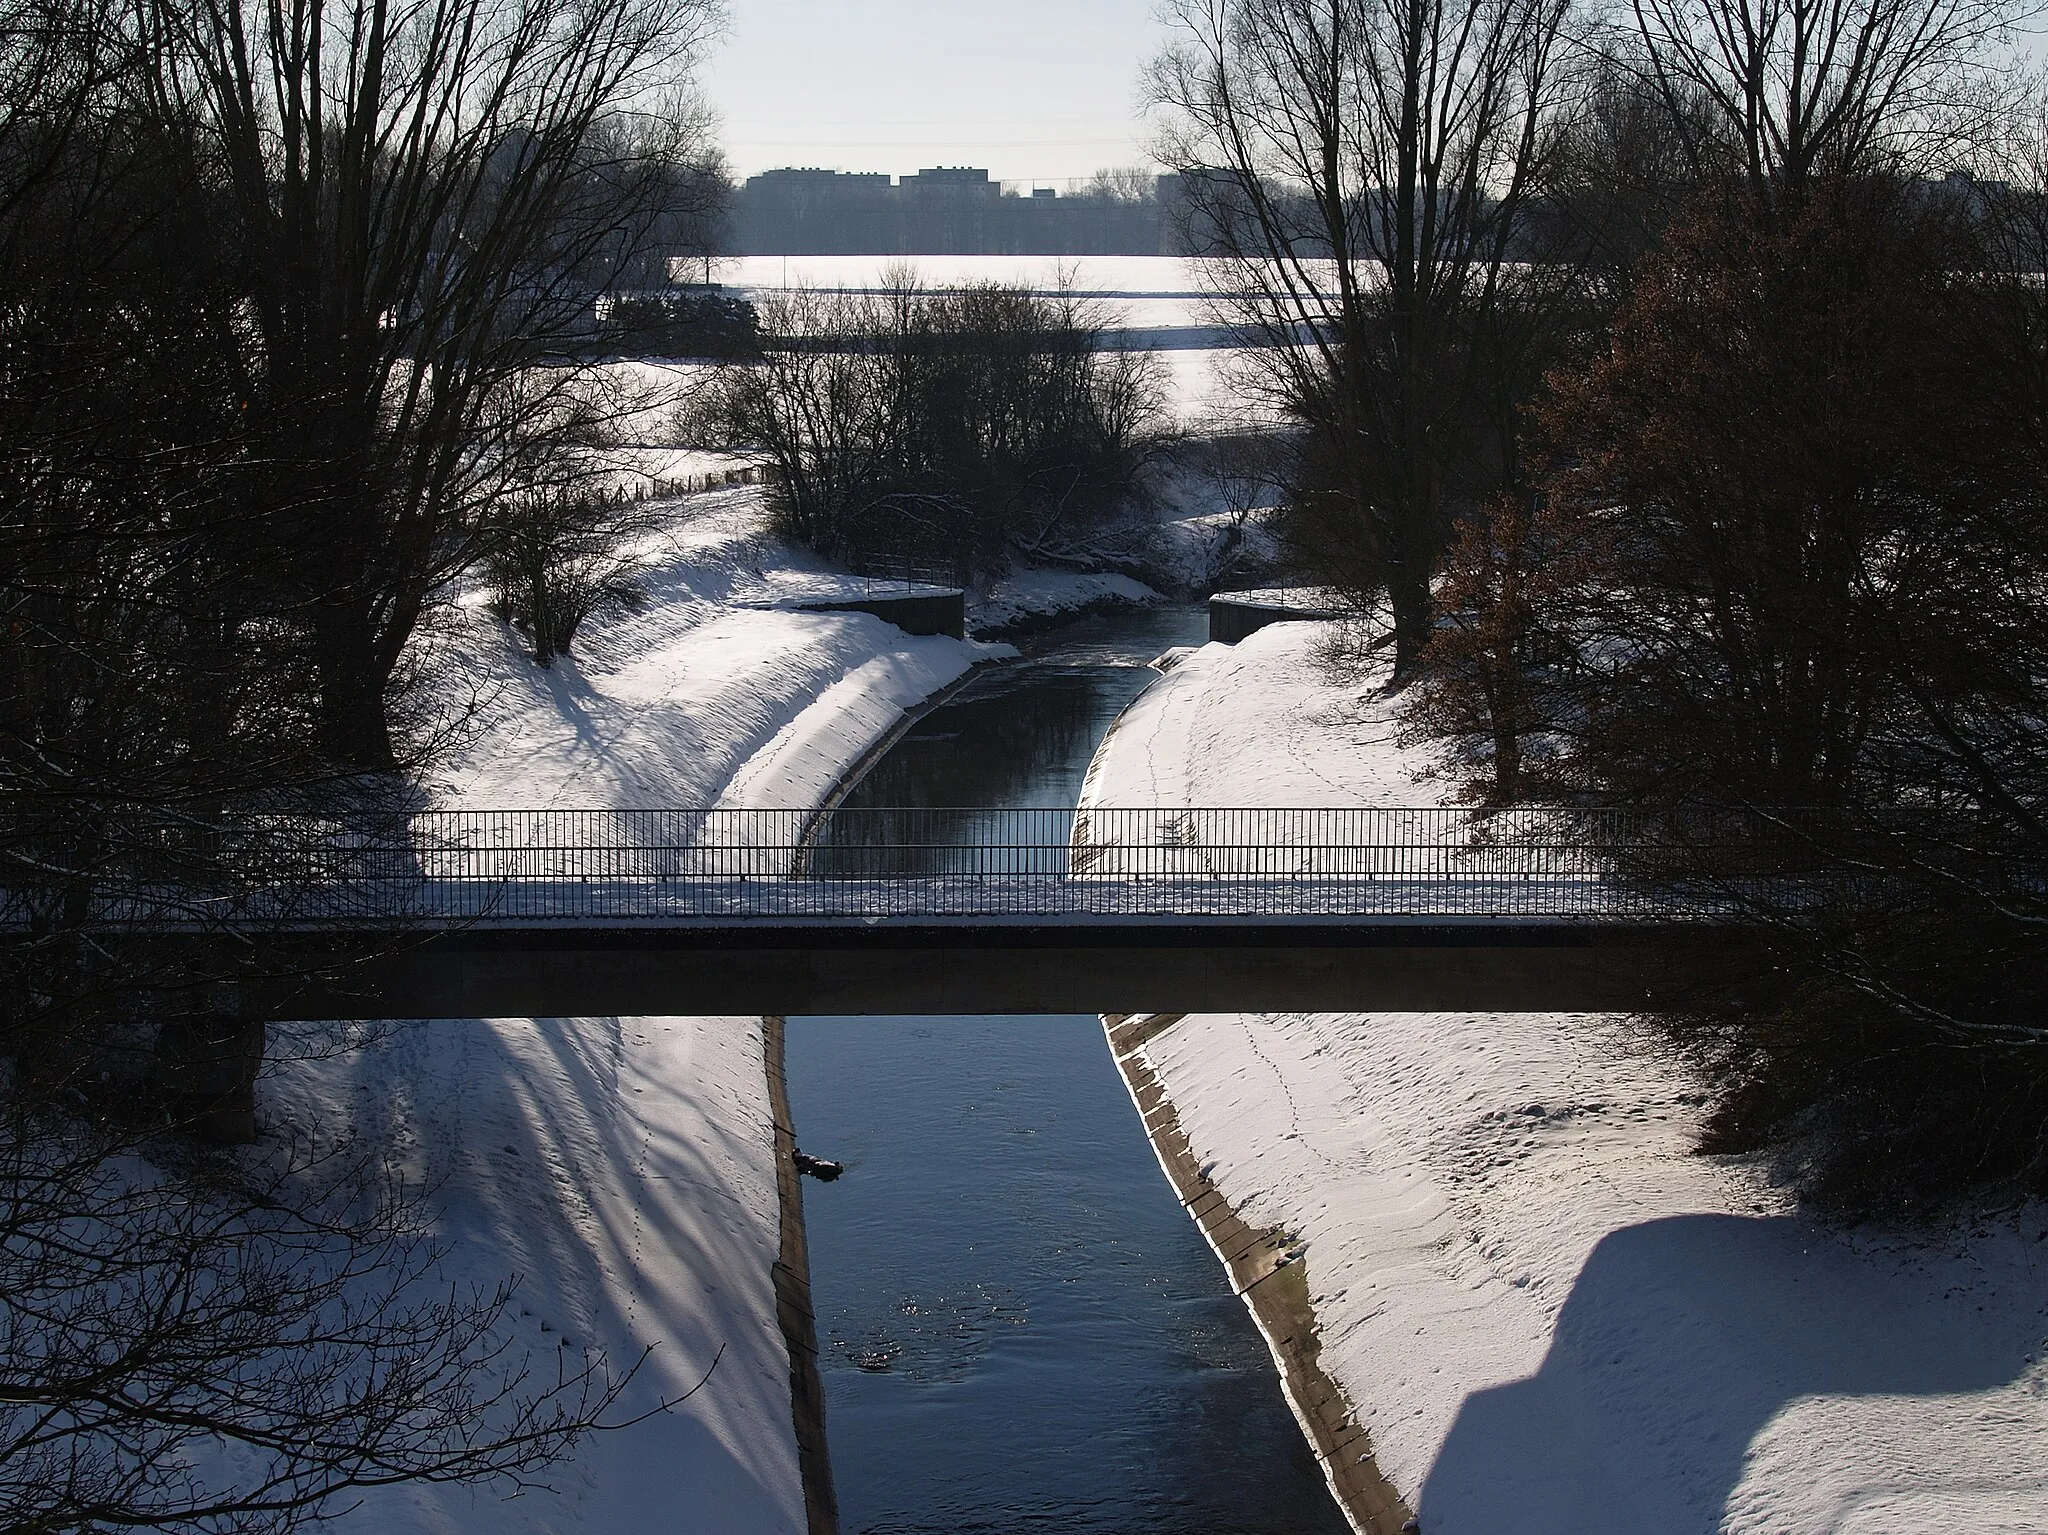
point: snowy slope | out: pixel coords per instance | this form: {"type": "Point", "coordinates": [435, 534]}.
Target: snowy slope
{"type": "Point", "coordinates": [675, 723]}
{"type": "Point", "coordinates": [1029, 593]}
{"type": "Point", "coordinates": [624, 1168]}
{"type": "Point", "coordinates": [1268, 721]}
{"type": "Point", "coordinates": [1549, 1313]}
{"type": "Point", "coordinates": [665, 704]}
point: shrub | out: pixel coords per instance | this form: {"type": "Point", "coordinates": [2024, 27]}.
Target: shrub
{"type": "Point", "coordinates": [555, 559]}
{"type": "Point", "coordinates": [957, 428]}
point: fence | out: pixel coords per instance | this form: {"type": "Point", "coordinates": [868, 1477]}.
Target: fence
{"type": "Point", "coordinates": [628, 865]}
{"type": "Point", "coordinates": [891, 575]}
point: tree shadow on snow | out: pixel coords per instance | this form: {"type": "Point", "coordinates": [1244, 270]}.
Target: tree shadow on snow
{"type": "Point", "coordinates": [555, 1159]}
{"type": "Point", "coordinates": [1680, 1340]}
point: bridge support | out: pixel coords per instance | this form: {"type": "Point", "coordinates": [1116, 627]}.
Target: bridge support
{"type": "Point", "coordinates": [210, 1055]}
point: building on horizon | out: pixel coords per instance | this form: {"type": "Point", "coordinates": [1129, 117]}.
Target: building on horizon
{"type": "Point", "coordinates": [942, 210]}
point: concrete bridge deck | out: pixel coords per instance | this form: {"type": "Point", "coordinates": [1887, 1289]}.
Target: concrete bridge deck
{"type": "Point", "coordinates": [883, 966]}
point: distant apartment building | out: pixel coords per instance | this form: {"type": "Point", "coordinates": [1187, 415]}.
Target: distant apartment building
{"type": "Point", "coordinates": [940, 211]}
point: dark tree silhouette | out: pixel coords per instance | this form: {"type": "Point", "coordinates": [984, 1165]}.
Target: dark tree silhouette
{"type": "Point", "coordinates": [1360, 171]}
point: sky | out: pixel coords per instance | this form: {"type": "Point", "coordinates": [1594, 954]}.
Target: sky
{"type": "Point", "coordinates": [1032, 90]}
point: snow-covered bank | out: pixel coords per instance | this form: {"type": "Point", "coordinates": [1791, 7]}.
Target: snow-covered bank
{"type": "Point", "coordinates": [625, 1168]}
{"type": "Point", "coordinates": [1549, 1314]}
{"type": "Point", "coordinates": [711, 691]}
{"type": "Point", "coordinates": [1030, 598]}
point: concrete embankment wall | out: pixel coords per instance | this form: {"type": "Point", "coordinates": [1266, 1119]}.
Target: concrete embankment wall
{"type": "Point", "coordinates": [938, 612]}
{"type": "Point", "coordinates": [1270, 1275]}
{"type": "Point", "coordinates": [793, 1308]}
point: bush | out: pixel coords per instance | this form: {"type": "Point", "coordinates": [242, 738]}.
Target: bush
{"type": "Point", "coordinates": [686, 322]}
{"type": "Point", "coordinates": [1905, 1071]}
{"type": "Point", "coordinates": [555, 559]}
{"type": "Point", "coordinates": [955, 428]}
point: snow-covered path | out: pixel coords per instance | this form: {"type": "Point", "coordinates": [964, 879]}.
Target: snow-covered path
{"type": "Point", "coordinates": [1549, 1313]}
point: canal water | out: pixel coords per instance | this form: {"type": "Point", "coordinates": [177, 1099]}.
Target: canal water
{"type": "Point", "coordinates": [1020, 1329]}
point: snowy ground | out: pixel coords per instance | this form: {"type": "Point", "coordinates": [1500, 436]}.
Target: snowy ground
{"type": "Point", "coordinates": [624, 1167]}
{"type": "Point", "coordinates": [716, 689]}
{"type": "Point", "coordinates": [1026, 595]}
{"type": "Point", "coordinates": [1550, 1314]}
{"type": "Point", "coordinates": [1163, 278]}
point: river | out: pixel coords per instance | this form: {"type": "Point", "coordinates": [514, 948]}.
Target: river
{"type": "Point", "coordinates": [1020, 1328]}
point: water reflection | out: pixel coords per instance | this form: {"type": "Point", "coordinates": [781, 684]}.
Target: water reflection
{"type": "Point", "coordinates": [1020, 1329]}
{"type": "Point", "coordinates": [1021, 735]}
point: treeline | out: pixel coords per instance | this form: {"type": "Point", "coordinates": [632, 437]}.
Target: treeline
{"type": "Point", "coordinates": [291, 302]}
{"type": "Point", "coordinates": [1682, 401]}
{"type": "Point", "coordinates": [958, 428]}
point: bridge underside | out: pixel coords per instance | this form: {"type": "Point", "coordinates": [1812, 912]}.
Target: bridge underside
{"type": "Point", "coordinates": [968, 967]}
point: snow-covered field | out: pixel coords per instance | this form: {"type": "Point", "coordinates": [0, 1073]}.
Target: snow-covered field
{"type": "Point", "coordinates": [1159, 303]}
{"type": "Point", "coordinates": [1122, 276]}
{"type": "Point", "coordinates": [1549, 1313]}
{"type": "Point", "coordinates": [624, 1169]}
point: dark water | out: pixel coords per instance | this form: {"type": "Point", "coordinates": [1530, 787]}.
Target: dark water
{"type": "Point", "coordinates": [1021, 735]}
{"type": "Point", "coordinates": [1021, 1329]}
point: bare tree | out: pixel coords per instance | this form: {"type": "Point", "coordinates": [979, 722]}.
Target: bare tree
{"type": "Point", "coordinates": [559, 556]}
{"type": "Point", "coordinates": [1360, 167]}
{"type": "Point", "coordinates": [428, 197]}
{"type": "Point", "coordinates": [955, 427]}
{"type": "Point", "coordinates": [1122, 184]}
{"type": "Point", "coordinates": [192, 1337]}
{"type": "Point", "coordinates": [1788, 92]}
{"type": "Point", "coordinates": [205, 1342]}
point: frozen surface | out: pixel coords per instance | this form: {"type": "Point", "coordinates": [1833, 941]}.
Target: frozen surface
{"type": "Point", "coordinates": [1126, 276]}
{"type": "Point", "coordinates": [1158, 303]}
{"type": "Point", "coordinates": [1551, 1314]}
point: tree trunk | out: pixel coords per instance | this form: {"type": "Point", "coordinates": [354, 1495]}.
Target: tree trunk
{"type": "Point", "coordinates": [358, 736]}
{"type": "Point", "coordinates": [209, 1058]}
{"type": "Point", "coordinates": [1507, 758]}
{"type": "Point", "coordinates": [356, 732]}
{"type": "Point", "coordinates": [1414, 615]}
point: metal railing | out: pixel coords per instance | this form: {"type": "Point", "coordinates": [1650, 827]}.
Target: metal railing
{"type": "Point", "coordinates": [638, 864]}
{"type": "Point", "coordinates": [632, 865]}
{"type": "Point", "coordinates": [894, 575]}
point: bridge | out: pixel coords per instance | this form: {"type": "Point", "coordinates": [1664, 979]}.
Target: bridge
{"type": "Point", "coordinates": [545, 913]}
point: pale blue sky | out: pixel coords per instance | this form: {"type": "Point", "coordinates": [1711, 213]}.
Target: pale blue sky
{"type": "Point", "coordinates": [1032, 89]}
